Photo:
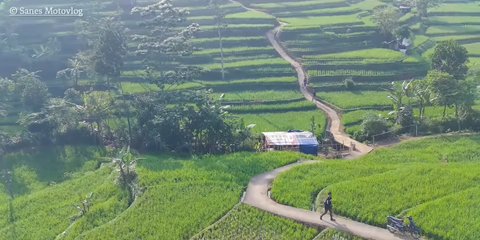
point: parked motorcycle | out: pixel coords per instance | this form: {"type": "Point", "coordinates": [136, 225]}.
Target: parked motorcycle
{"type": "Point", "coordinates": [398, 225]}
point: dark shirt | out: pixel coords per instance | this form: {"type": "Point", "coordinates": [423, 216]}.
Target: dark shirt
{"type": "Point", "coordinates": [328, 202]}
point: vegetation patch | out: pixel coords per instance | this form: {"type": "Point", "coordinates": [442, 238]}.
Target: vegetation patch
{"type": "Point", "coordinates": [415, 178]}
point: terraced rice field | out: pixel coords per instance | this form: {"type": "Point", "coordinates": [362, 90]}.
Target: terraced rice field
{"type": "Point", "coordinates": [337, 40]}
{"type": "Point", "coordinates": [245, 222]}
{"type": "Point", "coordinates": [180, 195]}
{"type": "Point", "coordinates": [251, 65]}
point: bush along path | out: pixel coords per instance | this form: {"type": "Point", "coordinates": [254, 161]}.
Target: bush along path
{"type": "Point", "coordinates": [257, 195]}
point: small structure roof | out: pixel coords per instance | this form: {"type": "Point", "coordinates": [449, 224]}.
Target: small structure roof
{"type": "Point", "coordinates": [290, 138]}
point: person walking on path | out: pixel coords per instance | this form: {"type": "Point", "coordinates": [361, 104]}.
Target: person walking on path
{"type": "Point", "coordinates": [328, 206]}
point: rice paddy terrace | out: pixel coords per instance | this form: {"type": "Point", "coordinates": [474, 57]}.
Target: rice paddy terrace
{"type": "Point", "coordinates": [337, 40]}
{"type": "Point", "coordinates": [198, 197]}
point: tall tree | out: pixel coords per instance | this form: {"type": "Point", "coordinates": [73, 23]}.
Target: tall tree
{"type": "Point", "coordinates": [110, 50]}
{"type": "Point", "coordinates": [108, 56]}
{"type": "Point", "coordinates": [452, 58]}
{"type": "Point", "coordinates": [76, 66]}
{"type": "Point", "coordinates": [97, 108]}
{"type": "Point", "coordinates": [187, 120]}
{"type": "Point", "coordinates": [221, 25]}
{"type": "Point", "coordinates": [422, 93]}
{"type": "Point", "coordinates": [387, 19]}
{"type": "Point", "coordinates": [397, 93]}
{"type": "Point", "coordinates": [32, 92]}
{"type": "Point", "coordinates": [164, 42]}
{"type": "Point", "coordinates": [465, 99]}
{"type": "Point", "coordinates": [5, 85]}
{"type": "Point", "coordinates": [444, 87]}
{"type": "Point", "coordinates": [424, 5]}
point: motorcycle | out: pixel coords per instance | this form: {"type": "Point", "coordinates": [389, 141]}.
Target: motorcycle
{"type": "Point", "coordinates": [398, 225]}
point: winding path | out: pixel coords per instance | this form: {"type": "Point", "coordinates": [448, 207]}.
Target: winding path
{"type": "Point", "coordinates": [335, 126]}
{"type": "Point", "coordinates": [257, 192]}
{"type": "Point", "coordinates": [257, 196]}
{"type": "Point", "coordinates": [334, 121]}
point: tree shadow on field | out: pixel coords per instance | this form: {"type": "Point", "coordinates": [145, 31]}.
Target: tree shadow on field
{"type": "Point", "coordinates": [163, 162]}
{"type": "Point", "coordinates": [276, 126]}
{"type": "Point", "coordinates": [49, 165]}
{"type": "Point", "coordinates": [357, 92]}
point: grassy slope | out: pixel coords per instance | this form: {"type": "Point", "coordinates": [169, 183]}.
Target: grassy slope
{"type": "Point", "coordinates": [42, 208]}
{"type": "Point", "coordinates": [183, 196]}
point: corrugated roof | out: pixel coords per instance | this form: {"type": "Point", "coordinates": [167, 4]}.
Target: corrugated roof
{"type": "Point", "coordinates": [290, 138]}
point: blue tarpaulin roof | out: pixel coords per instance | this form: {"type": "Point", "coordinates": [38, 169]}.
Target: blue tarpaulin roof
{"type": "Point", "coordinates": [307, 141]}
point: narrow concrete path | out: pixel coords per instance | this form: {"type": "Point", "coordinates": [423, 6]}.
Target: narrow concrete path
{"type": "Point", "coordinates": [259, 186]}
{"type": "Point", "coordinates": [257, 196]}
{"type": "Point", "coordinates": [334, 121]}
{"type": "Point", "coordinates": [335, 125]}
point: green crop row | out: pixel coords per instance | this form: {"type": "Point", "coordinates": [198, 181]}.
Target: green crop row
{"type": "Point", "coordinates": [289, 5]}
{"type": "Point", "coordinates": [237, 50]}
{"type": "Point", "coordinates": [260, 96]}
{"type": "Point", "coordinates": [350, 72]}
{"type": "Point", "coordinates": [455, 8]}
{"type": "Point", "coordinates": [267, 108]}
{"type": "Point", "coordinates": [180, 195]}
{"type": "Point", "coordinates": [374, 53]}
{"type": "Point", "coordinates": [321, 21]}
{"type": "Point", "coordinates": [272, 122]}
{"type": "Point", "coordinates": [248, 64]}
{"type": "Point", "coordinates": [429, 179]}
{"type": "Point", "coordinates": [331, 234]}
{"type": "Point", "coordinates": [46, 214]}
{"type": "Point", "coordinates": [439, 30]}
{"type": "Point", "coordinates": [446, 20]}
{"type": "Point", "coordinates": [435, 217]}
{"type": "Point", "coordinates": [356, 99]}
{"type": "Point", "coordinates": [246, 222]}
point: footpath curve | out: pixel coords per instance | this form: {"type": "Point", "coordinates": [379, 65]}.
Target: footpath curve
{"type": "Point", "coordinates": [257, 196]}
{"type": "Point", "coordinates": [257, 193]}
{"type": "Point", "coordinates": [334, 121]}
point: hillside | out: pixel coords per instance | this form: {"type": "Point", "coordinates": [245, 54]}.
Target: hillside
{"type": "Point", "coordinates": [142, 119]}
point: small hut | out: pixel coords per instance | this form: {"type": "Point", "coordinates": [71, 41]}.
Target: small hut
{"type": "Point", "coordinates": [298, 141]}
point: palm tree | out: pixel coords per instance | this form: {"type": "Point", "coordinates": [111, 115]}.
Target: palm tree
{"type": "Point", "coordinates": [397, 93]}
{"type": "Point", "coordinates": [76, 66]}
{"type": "Point", "coordinates": [424, 96]}
{"type": "Point", "coordinates": [126, 162]}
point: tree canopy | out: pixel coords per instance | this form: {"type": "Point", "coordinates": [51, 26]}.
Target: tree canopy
{"type": "Point", "coordinates": [386, 18]}
{"type": "Point", "coordinates": [452, 58]}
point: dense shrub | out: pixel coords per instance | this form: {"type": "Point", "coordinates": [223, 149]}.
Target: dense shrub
{"type": "Point", "coordinates": [374, 124]}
